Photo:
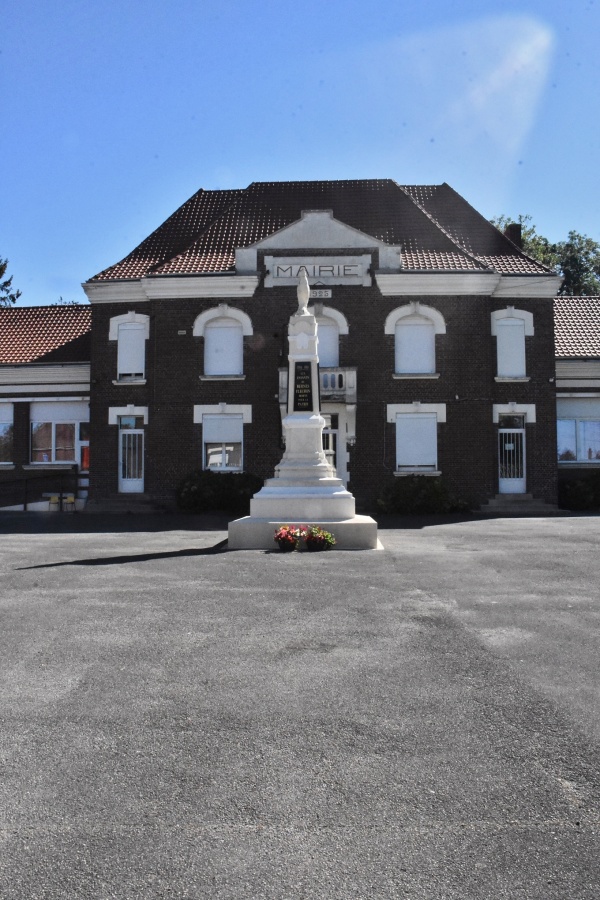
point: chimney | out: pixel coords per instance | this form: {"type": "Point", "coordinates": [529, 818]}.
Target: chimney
{"type": "Point", "coordinates": [513, 233]}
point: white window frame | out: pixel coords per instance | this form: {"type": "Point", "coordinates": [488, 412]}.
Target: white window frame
{"type": "Point", "coordinates": [330, 317]}
{"type": "Point", "coordinates": [236, 318]}
{"type": "Point", "coordinates": [582, 457]}
{"type": "Point", "coordinates": [7, 421]}
{"type": "Point", "coordinates": [510, 327]}
{"type": "Point", "coordinates": [239, 412]}
{"type": "Point", "coordinates": [399, 412]}
{"type": "Point", "coordinates": [411, 315]}
{"type": "Point", "coordinates": [123, 325]}
{"type": "Point", "coordinates": [67, 412]}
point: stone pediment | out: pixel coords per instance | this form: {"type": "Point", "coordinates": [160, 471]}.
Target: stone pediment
{"type": "Point", "coordinates": [317, 230]}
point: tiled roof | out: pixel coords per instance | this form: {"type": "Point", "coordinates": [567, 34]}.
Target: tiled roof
{"type": "Point", "coordinates": [577, 326]}
{"type": "Point", "coordinates": [436, 228]}
{"type": "Point", "coordinates": [44, 334]}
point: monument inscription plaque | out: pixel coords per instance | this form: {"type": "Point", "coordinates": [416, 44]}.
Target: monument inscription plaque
{"type": "Point", "coordinates": [303, 395]}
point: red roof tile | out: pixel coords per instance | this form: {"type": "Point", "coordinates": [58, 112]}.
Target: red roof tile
{"type": "Point", "coordinates": [436, 228]}
{"type": "Point", "coordinates": [44, 334]}
{"type": "Point", "coordinates": [577, 326]}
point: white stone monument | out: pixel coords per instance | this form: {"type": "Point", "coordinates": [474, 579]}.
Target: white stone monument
{"type": "Point", "coordinates": [305, 489]}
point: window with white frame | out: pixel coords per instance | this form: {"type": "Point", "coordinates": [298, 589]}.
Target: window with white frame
{"type": "Point", "coordinates": [416, 441]}
{"type": "Point", "coordinates": [329, 342]}
{"type": "Point", "coordinates": [131, 331]}
{"type": "Point", "coordinates": [223, 347]}
{"type": "Point", "coordinates": [414, 328]}
{"type": "Point", "coordinates": [55, 431]}
{"type": "Point", "coordinates": [510, 327]}
{"type": "Point", "coordinates": [222, 442]}
{"type": "Point", "coordinates": [578, 440]}
{"type": "Point", "coordinates": [223, 329]}
{"type": "Point", "coordinates": [6, 432]}
{"type": "Point", "coordinates": [416, 436]}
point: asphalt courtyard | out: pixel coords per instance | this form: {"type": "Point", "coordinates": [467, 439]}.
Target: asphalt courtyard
{"type": "Point", "coordinates": [179, 720]}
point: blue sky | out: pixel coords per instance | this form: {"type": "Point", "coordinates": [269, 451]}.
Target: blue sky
{"type": "Point", "coordinates": [115, 113]}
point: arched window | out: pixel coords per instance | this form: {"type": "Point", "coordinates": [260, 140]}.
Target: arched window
{"type": "Point", "coordinates": [223, 330]}
{"type": "Point", "coordinates": [330, 324]}
{"type": "Point", "coordinates": [131, 332]}
{"type": "Point", "coordinates": [510, 326]}
{"type": "Point", "coordinates": [223, 347]}
{"type": "Point", "coordinates": [414, 328]}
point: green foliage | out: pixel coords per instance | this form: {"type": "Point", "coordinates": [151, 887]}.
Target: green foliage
{"type": "Point", "coordinates": [62, 302]}
{"type": "Point", "coordinates": [580, 493]}
{"type": "Point", "coordinates": [577, 259]}
{"type": "Point", "coordinates": [416, 495]}
{"type": "Point", "coordinates": [317, 536]}
{"type": "Point", "coordinates": [7, 296]}
{"type": "Point", "coordinates": [206, 491]}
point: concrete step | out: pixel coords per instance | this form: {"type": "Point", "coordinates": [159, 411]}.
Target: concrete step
{"type": "Point", "coordinates": [524, 505]}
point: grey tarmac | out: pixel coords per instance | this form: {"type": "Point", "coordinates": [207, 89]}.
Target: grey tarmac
{"type": "Point", "coordinates": [182, 721]}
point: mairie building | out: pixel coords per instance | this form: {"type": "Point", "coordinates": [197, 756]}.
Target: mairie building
{"type": "Point", "coordinates": [436, 349]}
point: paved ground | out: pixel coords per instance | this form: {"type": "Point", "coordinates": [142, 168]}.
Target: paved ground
{"type": "Point", "coordinates": [177, 720]}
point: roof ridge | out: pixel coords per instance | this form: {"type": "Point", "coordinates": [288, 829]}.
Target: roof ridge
{"type": "Point", "coordinates": [444, 231]}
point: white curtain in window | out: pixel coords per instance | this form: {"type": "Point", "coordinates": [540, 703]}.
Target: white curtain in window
{"type": "Point", "coordinates": [416, 440]}
{"type": "Point", "coordinates": [415, 346]}
{"type": "Point", "coordinates": [131, 350]}
{"type": "Point", "coordinates": [510, 345]}
{"type": "Point", "coordinates": [329, 342]}
{"type": "Point", "coordinates": [216, 429]}
{"type": "Point", "coordinates": [223, 347]}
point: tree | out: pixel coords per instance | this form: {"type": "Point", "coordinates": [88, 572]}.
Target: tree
{"type": "Point", "coordinates": [7, 296]}
{"type": "Point", "coordinates": [577, 259]}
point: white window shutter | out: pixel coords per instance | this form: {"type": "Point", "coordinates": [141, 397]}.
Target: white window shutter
{"type": "Point", "coordinates": [416, 440]}
{"type": "Point", "coordinates": [510, 346]}
{"type": "Point", "coordinates": [218, 429]}
{"type": "Point", "coordinates": [131, 351]}
{"type": "Point", "coordinates": [329, 343]}
{"type": "Point", "coordinates": [223, 347]}
{"type": "Point", "coordinates": [415, 346]}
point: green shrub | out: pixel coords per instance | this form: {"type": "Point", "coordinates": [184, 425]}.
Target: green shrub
{"type": "Point", "coordinates": [419, 495]}
{"type": "Point", "coordinates": [581, 493]}
{"type": "Point", "coordinates": [206, 491]}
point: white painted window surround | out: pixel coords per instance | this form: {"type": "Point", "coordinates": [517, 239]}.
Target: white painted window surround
{"type": "Point", "coordinates": [223, 329]}
{"type": "Point", "coordinates": [131, 331]}
{"type": "Point", "coordinates": [414, 328]}
{"type": "Point", "coordinates": [223, 435]}
{"type": "Point", "coordinates": [330, 324]}
{"type": "Point", "coordinates": [510, 327]}
{"type": "Point", "coordinates": [416, 436]}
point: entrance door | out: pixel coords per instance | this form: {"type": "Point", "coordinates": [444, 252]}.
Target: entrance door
{"type": "Point", "coordinates": [511, 461]}
{"type": "Point", "coordinates": [131, 458]}
{"type": "Point", "coordinates": [330, 438]}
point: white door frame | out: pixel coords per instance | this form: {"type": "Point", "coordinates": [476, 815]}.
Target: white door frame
{"type": "Point", "coordinates": [128, 485]}
{"type": "Point", "coordinates": [339, 410]}
{"type": "Point", "coordinates": [512, 463]}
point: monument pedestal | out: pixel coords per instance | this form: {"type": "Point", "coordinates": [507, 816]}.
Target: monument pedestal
{"type": "Point", "coordinates": [256, 533]}
{"type": "Point", "coordinates": [305, 489]}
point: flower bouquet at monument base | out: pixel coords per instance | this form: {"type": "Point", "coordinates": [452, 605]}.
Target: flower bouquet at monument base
{"type": "Point", "coordinates": [287, 537]}
{"type": "Point", "coordinates": [317, 538]}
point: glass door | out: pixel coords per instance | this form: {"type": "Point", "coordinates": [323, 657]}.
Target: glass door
{"type": "Point", "coordinates": [511, 455]}
{"type": "Point", "coordinates": [131, 455]}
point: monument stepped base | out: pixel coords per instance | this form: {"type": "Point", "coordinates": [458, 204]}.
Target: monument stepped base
{"type": "Point", "coordinates": [254, 533]}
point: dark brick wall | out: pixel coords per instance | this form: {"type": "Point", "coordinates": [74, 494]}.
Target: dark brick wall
{"type": "Point", "coordinates": [466, 361]}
